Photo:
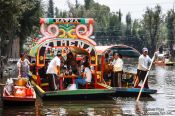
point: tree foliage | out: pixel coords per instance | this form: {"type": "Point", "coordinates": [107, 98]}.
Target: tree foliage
{"type": "Point", "coordinates": [170, 19]}
{"type": "Point", "coordinates": [151, 23]}
{"type": "Point", "coordinates": [50, 11]}
{"type": "Point", "coordinates": [128, 25]}
{"type": "Point", "coordinates": [17, 20]}
{"type": "Point", "coordinates": [20, 18]}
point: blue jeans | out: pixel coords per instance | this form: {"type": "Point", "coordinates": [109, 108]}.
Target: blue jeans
{"type": "Point", "coordinates": [80, 81]}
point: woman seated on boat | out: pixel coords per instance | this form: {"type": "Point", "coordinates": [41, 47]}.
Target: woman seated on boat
{"type": "Point", "coordinates": [86, 76]}
{"type": "Point", "coordinates": [23, 65]}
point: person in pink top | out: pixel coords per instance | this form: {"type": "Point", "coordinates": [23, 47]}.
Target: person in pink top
{"type": "Point", "coordinates": [23, 65]}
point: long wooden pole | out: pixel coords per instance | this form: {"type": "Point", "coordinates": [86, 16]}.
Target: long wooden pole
{"type": "Point", "coordinates": [138, 97]}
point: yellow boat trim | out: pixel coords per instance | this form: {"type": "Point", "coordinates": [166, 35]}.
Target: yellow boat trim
{"type": "Point", "coordinates": [34, 77]}
{"type": "Point", "coordinates": [41, 90]}
{"type": "Point", "coordinates": [104, 85]}
{"type": "Point", "coordinates": [44, 84]}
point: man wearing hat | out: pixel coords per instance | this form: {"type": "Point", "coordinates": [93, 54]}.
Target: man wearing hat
{"type": "Point", "coordinates": [53, 70]}
{"type": "Point", "coordinates": [143, 67]}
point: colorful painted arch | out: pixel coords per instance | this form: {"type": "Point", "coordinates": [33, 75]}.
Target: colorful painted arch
{"type": "Point", "coordinates": [80, 46]}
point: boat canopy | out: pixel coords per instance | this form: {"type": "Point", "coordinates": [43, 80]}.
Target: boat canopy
{"type": "Point", "coordinates": [124, 50]}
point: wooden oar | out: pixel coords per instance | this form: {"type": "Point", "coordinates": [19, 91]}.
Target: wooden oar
{"type": "Point", "coordinates": [145, 78]}
{"type": "Point", "coordinates": [136, 80]}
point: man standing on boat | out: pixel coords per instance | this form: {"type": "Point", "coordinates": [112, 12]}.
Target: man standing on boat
{"type": "Point", "coordinates": [118, 70]}
{"type": "Point", "coordinates": [143, 66]}
{"type": "Point", "coordinates": [53, 71]}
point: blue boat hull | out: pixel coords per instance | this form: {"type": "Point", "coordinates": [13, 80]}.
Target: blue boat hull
{"type": "Point", "coordinates": [121, 91]}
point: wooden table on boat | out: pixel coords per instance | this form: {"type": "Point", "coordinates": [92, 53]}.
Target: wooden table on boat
{"type": "Point", "coordinates": [73, 77]}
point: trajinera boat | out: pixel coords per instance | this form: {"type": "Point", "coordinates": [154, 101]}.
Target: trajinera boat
{"type": "Point", "coordinates": [69, 35]}
{"type": "Point", "coordinates": [18, 91]}
{"type": "Point", "coordinates": [130, 57]}
{"type": "Point", "coordinates": [74, 34]}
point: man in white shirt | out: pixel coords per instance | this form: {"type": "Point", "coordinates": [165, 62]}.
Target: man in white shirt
{"type": "Point", "coordinates": [118, 70]}
{"type": "Point", "coordinates": [143, 66]}
{"type": "Point", "coordinates": [53, 71]}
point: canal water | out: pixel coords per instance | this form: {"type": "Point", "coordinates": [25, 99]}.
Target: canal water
{"type": "Point", "coordinates": [161, 78]}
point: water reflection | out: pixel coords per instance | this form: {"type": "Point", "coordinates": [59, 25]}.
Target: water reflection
{"type": "Point", "coordinates": [75, 108]}
{"type": "Point", "coordinates": [18, 111]}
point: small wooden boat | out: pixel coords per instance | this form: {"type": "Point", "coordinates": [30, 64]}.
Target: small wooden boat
{"type": "Point", "coordinates": [18, 94]}
{"type": "Point", "coordinates": [160, 63]}
{"type": "Point", "coordinates": [163, 59]}
{"type": "Point", "coordinates": [126, 52]}
{"type": "Point", "coordinates": [169, 63]}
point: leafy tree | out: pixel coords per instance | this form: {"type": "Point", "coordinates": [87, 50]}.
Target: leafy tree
{"type": "Point", "coordinates": [50, 11]}
{"type": "Point", "coordinates": [128, 25]}
{"type": "Point", "coordinates": [56, 12]}
{"type": "Point", "coordinates": [87, 4]}
{"type": "Point", "coordinates": [135, 28]}
{"type": "Point", "coordinates": [152, 20]}
{"type": "Point", "coordinates": [171, 29]}
{"type": "Point", "coordinates": [30, 21]}
{"type": "Point", "coordinates": [10, 14]}
{"type": "Point", "coordinates": [76, 4]}
{"type": "Point", "coordinates": [17, 20]}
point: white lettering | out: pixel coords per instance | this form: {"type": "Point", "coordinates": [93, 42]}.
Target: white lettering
{"type": "Point", "coordinates": [47, 46]}
{"type": "Point", "coordinates": [55, 43]}
{"type": "Point", "coordinates": [71, 20]}
{"type": "Point", "coordinates": [71, 43]}
{"type": "Point", "coordinates": [89, 49]}
{"type": "Point", "coordinates": [66, 20]}
{"type": "Point", "coordinates": [57, 20]}
{"type": "Point", "coordinates": [63, 43]}
{"type": "Point", "coordinates": [76, 21]}
{"type": "Point", "coordinates": [80, 44]}
{"type": "Point", "coordinates": [61, 20]}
